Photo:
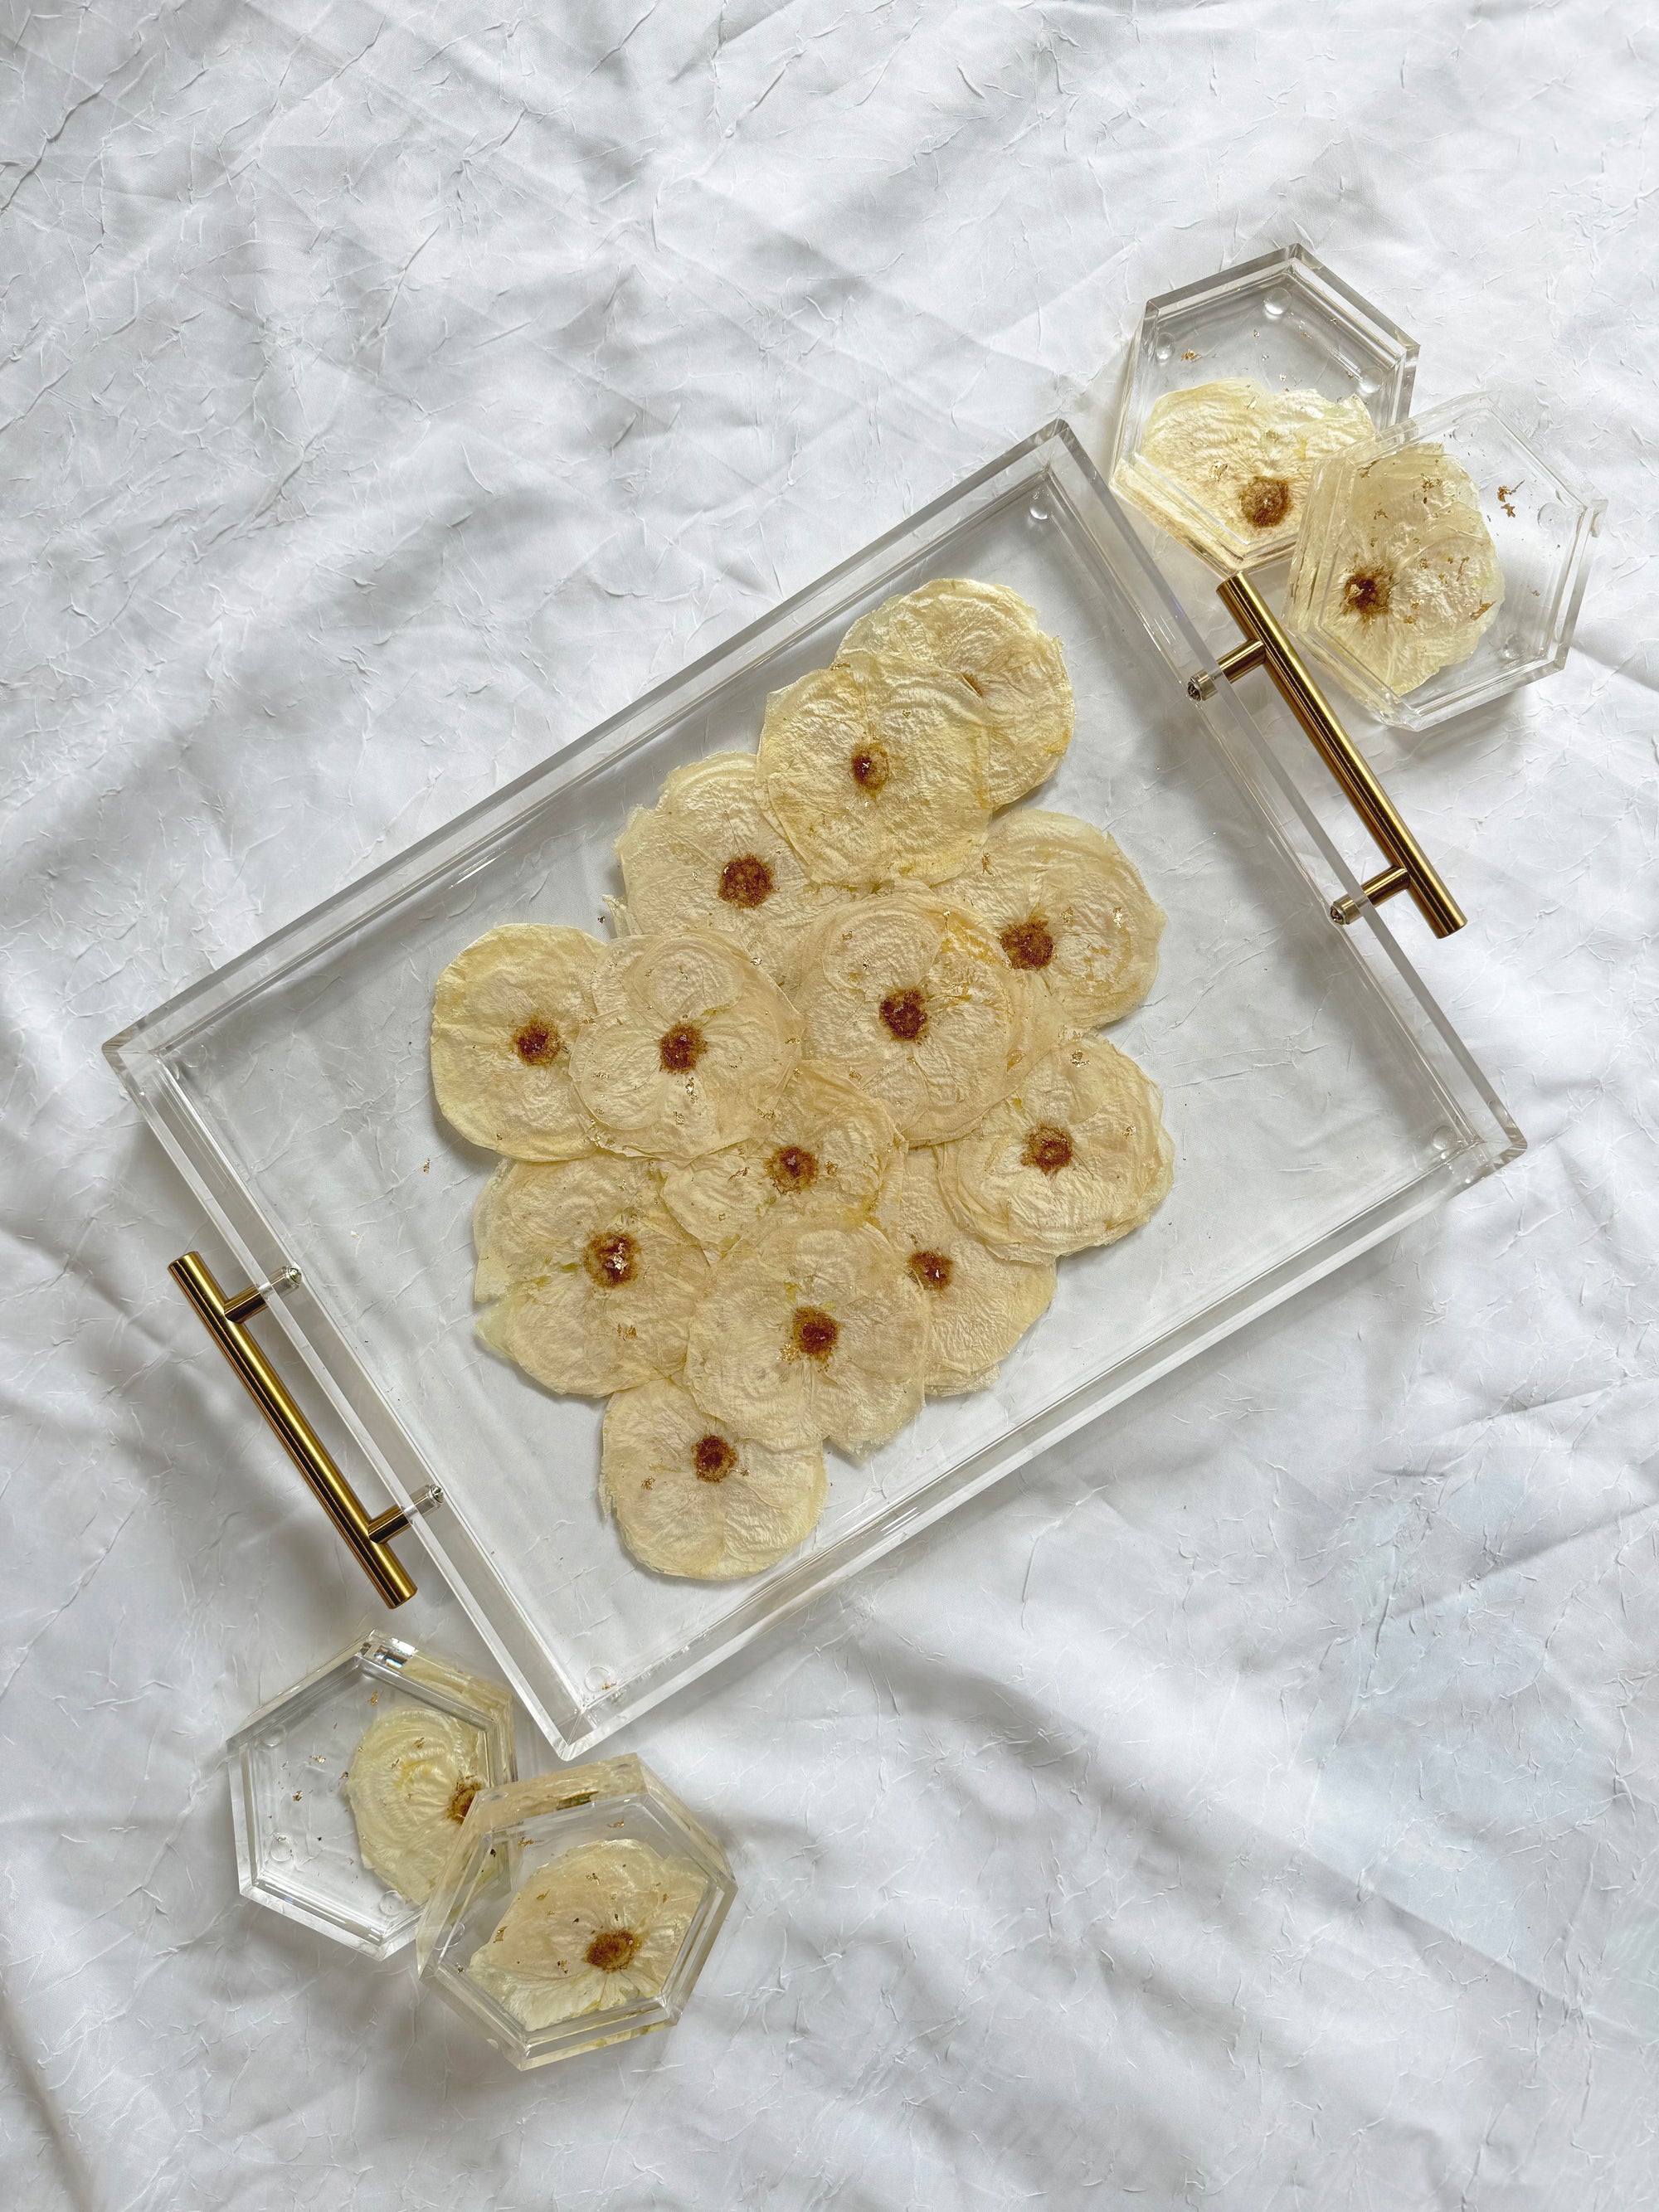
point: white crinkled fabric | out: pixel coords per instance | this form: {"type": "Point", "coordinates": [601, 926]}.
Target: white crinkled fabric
{"type": "Point", "coordinates": [1249, 1806]}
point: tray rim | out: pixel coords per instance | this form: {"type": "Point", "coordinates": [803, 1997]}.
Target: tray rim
{"type": "Point", "coordinates": [138, 1054]}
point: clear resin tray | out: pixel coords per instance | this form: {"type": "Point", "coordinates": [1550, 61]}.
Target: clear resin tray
{"type": "Point", "coordinates": [1316, 1098]}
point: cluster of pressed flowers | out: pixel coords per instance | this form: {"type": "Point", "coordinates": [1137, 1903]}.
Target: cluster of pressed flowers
{"type": "Point", "coordinates": [802, 1146]}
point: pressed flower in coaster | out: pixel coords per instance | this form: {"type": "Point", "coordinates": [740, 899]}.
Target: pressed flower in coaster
{"type": "Point", "coordinates": [1226, 466]}
{"type": "Point", "coordinates": [577, 1911]}
{"type": "Point", "coordinates": [1241, 383]}
{"type": "Point", "coordinates": [1442, 565]}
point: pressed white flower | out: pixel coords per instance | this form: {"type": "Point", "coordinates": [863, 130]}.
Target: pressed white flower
{"type": "Point", "coordinates": [1077, 1155]}
{"type": "Point", "coordinates": [505, 1015]}
{"type": "Point", "coordinates": [692, 1499]}
{"type": "Point", "coordinates": [707, 857]}
{"type": "Point", "coordinates": [1243, 454]}
{"type": "Point", "coordinates": [991, 638]}
{"type": "Point", "coordinates": [412, 1776]}
{"type": "Point", "coordinates": [596, 1927]}
{"type": "Point", "coordinates": [592, 1280]}
{"type": "Point", "coordinates": [979, 1304]}
{"type": "Point", "coordinates": [689, 1045]}
{"type": "Point", "coordinates": [1069, 909]}
{"type": "Point", "coordinates": [876, 769]}
{"type": "Point", "coordinates": [810, 1329]}
{"type": "Point", "coordinates": [914, 1002]}
{"type": "Point", "coordinates": [1415, 579]}
{"type": "Point", "coordinates": [825, 1146]}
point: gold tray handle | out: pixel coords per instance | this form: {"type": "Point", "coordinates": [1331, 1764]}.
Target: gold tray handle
{"type": "Point", "coordinates": [368, 1539]}
{"type": "Point", "coordinates": [1266, 645]}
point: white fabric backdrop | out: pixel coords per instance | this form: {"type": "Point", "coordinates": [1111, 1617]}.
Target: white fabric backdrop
{"type": "Point", "coordinates": [1257, 1806]}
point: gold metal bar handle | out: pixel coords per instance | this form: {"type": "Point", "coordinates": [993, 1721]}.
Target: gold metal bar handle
{"type": "Point", "coordinates": [1268, 646]}
{"type": "Point", "coordinates": [223, 1318]}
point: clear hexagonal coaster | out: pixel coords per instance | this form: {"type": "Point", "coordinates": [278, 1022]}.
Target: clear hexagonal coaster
{"type": "Point", "coordinates": [1239, 386]}
{"type": "Point", "coordinates": [578, 1912]}
{"type": "Point", "coordinates": [1442, 564]}
{"type": "Point", "coordinates": [370, 1763]}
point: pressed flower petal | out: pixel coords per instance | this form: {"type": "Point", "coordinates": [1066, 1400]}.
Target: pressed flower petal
{"type": "Point", "coordinates": [979, 1304]}
{"type": "Point", "coordinates": [689, 1045]}
{"type": "Point", "coordinates": [913, 1001]}
{"type": "Point", "coordinates": [1413, 576]}
{"type": "Point", "coordinates": [825, 1146]}
{"type": "Point", "coordinates": [592, 1280]}
{"type": "Point", "coordinates": [1225, 465]}
{"type": "Point", "coordinates": [691, 1499]}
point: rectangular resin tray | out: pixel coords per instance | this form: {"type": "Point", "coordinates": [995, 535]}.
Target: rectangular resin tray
{"type": "Point", "coordinates": [1316, 1098]}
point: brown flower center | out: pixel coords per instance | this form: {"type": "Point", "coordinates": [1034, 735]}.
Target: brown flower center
{"type": "Point", "coordinates": [792, 1167]}
{"type": "Point", "coordinates": [1367, 592]}
{"type": "Point", "coordinates": [465, 1790]}
{"type": "Point", "coordinates": [713, 1458]}
{"type": "Point", "coordinates": [538, 1042]}
{"type": "Point", "coordinates": [612, 1949]}
{"type": "Point", "coordinates": [905, 1013]}
{"type": "Point", "coordinates": [1265, 501]}
{"type": "Point", "coordinates": [814, 1332]}
{"type": "Point", "coordinates": [746, 881]}
{"type": "Point", "coordinates": [611, 1258]}
{"type": "Point", "coordinates": [933, 1268]}
{"type": "Point", "coordinates": [1047, 1148]}
{"type": "Point", "coordinates": [680, 1049]}
{"type": "Point", "coordinates": [871, 768]}
{"type": "Point", "coordinates": [1028, 943]}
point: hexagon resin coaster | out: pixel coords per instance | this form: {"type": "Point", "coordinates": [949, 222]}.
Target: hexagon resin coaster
{"type": "Point", "coordinates": [578, 1912]}
{"type": "Point", "coordinates": [348, 1790]}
